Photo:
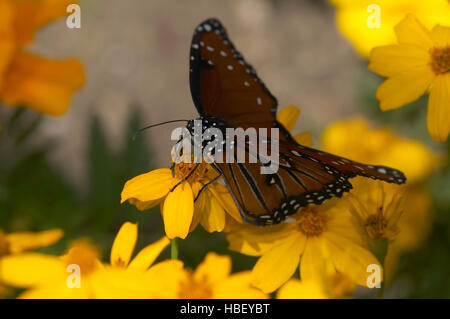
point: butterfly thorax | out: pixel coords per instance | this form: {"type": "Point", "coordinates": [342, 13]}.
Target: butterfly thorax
{"type": "Point", "coordinates": [202, 124]}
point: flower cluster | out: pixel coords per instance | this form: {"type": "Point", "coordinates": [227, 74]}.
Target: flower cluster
{"type": "Point", "coordinates": [320, 251]}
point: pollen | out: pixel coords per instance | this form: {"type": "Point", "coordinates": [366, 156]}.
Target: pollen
{"type": "Point", "coordinates": [4, 245]}
{"type": "Point", "coordinates": [191, 171]}
{"type": "Point", "coordinates": [83, 254]}
{"type": "Point", "coordinates": [440, 60]}
{"type": "Point", "coordinates": [311, 222]}
{"type": "Point", "coordinates": [190, 288]}
{"type": "Point", "coordinates": [376, 224]}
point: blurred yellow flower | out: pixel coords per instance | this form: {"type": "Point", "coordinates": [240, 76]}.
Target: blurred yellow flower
{"type": "Point", "coordinates": [380, 146]}
{"type": "Point", "coordinates": [376, 209]}
{"type": "Point", "coordinates": [357, 20]}
{"type": "Point", "coordinates": [47, 276]}
{"type": "Point", "coordinates": [336, 286]}
{"type": "Point", "coordinates": [26, 79]}
{"type": "Point", "coordinates": [212, 279]}
{"type": "Point", "coordinates": [19, 242]}
{"type": "Point", "coordinates": [321, 239]}
{"type": "Point", "coordinates": [414, 226]}
{"type": "Point", "coordinates": [418, 64]}
{"type": "Point", "coordinates": [383, 146]}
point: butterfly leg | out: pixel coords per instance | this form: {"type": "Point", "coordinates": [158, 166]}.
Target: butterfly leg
{"type": "Point", "coordinates": [185, 178]}
{"type": "Point", "coordinates": [206, 185]}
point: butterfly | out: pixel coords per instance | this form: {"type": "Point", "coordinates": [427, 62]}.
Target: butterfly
{"type": "Point", "coordinates": [227, 92]}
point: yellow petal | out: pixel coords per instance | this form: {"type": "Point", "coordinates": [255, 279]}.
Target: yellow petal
{"type": "Point", "coordinates": [57, 289]}
{"type": "Point", "coordinates": [393, 60]}
{"type": "Point", "coordinates": [32, 14]}
{"type": "Point", "coordinates": [124, 244]}
{"type": "Point", "coordinates": [23, 241]}
{"type": "Point", "coordinates": [225, 199]}
{"type": "Point", "coordinates": [316, 261]}
{"type": "Point", "coordinates": [164, 279]}
{"type": "Point", "coordinates": [213, 216]}
{"type": "Point", "coordinates": [7, 41]}
{"type": "Point", "coordinates": [214, 268]}
{"type": "Point", "coordinates": [305, 289]}
{"type": "Point", "coordinates": [438, 117]}
{"type": "Point", "coordinates": [142, 206]}
{"type": "Point", "coordinates": [178, 211]}
{"type": "Point", "coordinates": [116, 283]}
{"type": "Point", "coordinates": [147, 256]}
{"type": "Point", "coordinates": [405, 88]}
{"type": "Point", "coordinates": [277, 265]}
{"type": "Point", "coordinates": [149, 186]}
{"type": "Point", "coordinates": [42, 84]}
{"type": "Point", "coordinates": [304, 138]}
{"type": "Point", "coordinates": [237, 286]}
{"type": "Point", "coordinates": [441, 36]}
{"type": "Point", "coordinates": [199, 205]}
{"type": "Point", "coordinates": [30, 269]}
{"type": "Point", "coordinates": [411, 31]}
{"type": "Point", "coordinates": [288, 117]}
{"type": "Point", "coordinates": [351, 259]}
{"type": "Point", "coordinates": [255, 240]}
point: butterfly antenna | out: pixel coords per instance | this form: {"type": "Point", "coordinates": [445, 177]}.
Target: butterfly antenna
{"type": "Point", "coordinates": [154, 125]}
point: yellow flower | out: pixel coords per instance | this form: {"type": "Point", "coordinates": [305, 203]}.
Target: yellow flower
{"type": "Point", "coordinates": [318, 238]}
{"type": "Point", "coordinates": [418, 64]}
{"type": "Point", "coordinates": [27, 79]}
{"type": "Point", "coordinates": [380, 146]}
{"type": "Point", "coordinates": [214, 205]}
{"type": "Point", "coordinates": [181, 215]}
{"type": "Point", "coordinates": [212, 279]}
{"type": "Point", "coordinates": [47, 276]}
{"type": "Point", "coordinates": [356, 20]}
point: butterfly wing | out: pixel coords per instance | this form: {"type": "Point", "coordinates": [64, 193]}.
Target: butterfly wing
{"type": "Point", "coordinates": [223, 84]}
{"type": "Point", "coordinates": [305, 176]}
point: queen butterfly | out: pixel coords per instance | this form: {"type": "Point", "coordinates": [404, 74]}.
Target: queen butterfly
{"type": "Point", "coordinates": [228, 93]}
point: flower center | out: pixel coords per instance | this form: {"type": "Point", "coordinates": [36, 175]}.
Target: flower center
{"type": "Point", "coordinates": [440, 60]}
{"type": "Point", "coordinates": [83, 254]}
{"type": "Point", "coordinates": [191, 171]}
{"type": "Point", "coordinates": [311, 222]}
{"type": "Point", "coordinates": [4, 245]}
{"type": "Point", "coordinates": [376, 224]}
{"type": "Point", "coordinates": [195, 289]}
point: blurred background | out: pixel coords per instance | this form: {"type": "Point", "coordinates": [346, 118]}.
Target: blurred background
{"type": "Point", "coordinates": [68, 171]}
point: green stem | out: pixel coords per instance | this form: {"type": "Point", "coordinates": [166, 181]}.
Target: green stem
{"type": "Point", "coordinates": [174, 249]}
